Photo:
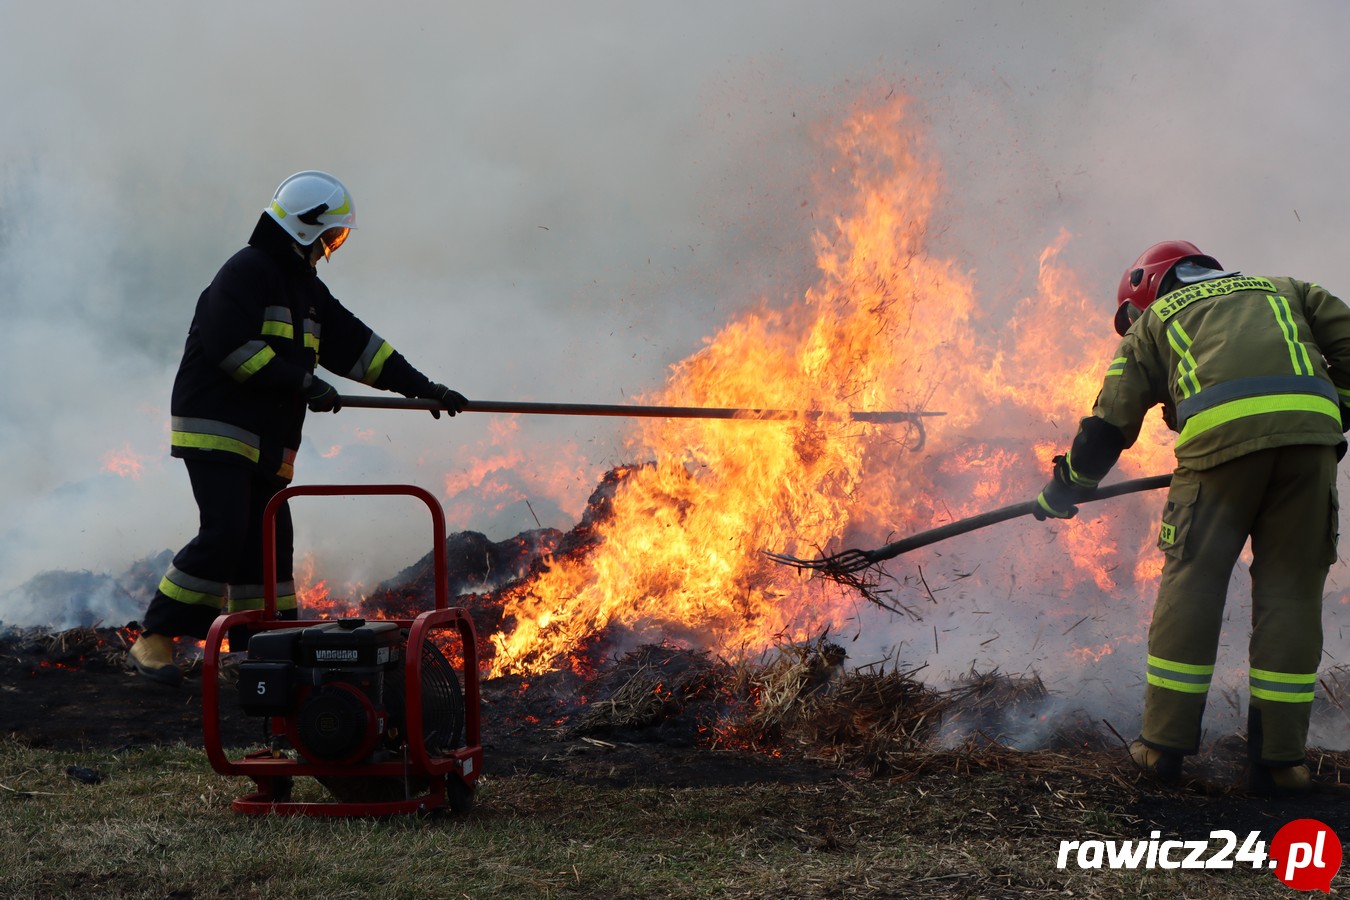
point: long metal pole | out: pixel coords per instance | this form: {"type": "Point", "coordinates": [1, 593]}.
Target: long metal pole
{"type": "Point", "coordinates": [657, 412]}
{"type": "Point", "coordinates": [1003, 514]}
{"type": "Point", "coordinates": [840, 566]}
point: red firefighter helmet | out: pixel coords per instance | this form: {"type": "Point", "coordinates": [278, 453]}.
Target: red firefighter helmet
{"type": "Point", "coordinates": [1139, 285]}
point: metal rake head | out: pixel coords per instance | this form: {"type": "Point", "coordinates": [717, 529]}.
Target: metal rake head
{"type": "Point", "coordinates": [845, 562]}
{"type": "Point", "coordinates": [856, 569]}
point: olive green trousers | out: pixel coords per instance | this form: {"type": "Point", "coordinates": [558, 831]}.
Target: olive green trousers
{"type": "Point", "coordinates": [1284, 499]}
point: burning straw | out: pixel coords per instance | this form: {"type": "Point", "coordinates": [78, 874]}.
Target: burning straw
{"type": "Point", "coordinates": [89, 646]}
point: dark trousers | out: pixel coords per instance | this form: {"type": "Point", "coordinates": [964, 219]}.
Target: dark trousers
{"type": "Point", "coordinates": [227, 550]}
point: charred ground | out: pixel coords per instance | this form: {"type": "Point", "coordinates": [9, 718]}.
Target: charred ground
{"type": "Point", "coordinates": [70, 692]}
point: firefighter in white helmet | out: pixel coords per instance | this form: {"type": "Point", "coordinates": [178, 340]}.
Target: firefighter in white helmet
{"type": "Point", "coordinates": [1254, 376]}
{"type": "Point", "coordinates": [246, 379]}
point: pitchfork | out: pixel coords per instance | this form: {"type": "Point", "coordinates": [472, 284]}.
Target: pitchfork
{"type": "Point", "coordinates": [845, 566]}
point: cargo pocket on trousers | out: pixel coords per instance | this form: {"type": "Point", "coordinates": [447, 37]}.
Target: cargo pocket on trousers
{"type": "Point", "coordinates": [1177, 516]}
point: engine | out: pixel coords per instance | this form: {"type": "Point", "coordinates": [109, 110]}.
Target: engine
{"type": "Point", "coordinates": [339, 689]}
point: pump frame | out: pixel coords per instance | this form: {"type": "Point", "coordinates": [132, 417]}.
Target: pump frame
{"type": "Point", "coordinates": [450, 779]}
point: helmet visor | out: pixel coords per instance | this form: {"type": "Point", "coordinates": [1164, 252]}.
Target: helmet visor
{"type": "Point", "coordinates": [334, 238]}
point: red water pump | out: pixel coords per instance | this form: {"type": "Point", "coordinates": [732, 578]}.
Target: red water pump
{"type": "Point", "coordinates": [371, 709]}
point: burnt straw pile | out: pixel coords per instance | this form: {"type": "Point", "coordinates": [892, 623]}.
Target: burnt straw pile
{"type": "Point", "coordinates": [801, 701]}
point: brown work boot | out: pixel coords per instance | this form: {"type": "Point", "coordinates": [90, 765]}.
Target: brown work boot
{"type": "Point", "coordinates": [152, 656]}
{"type": "Point", "coordinates": [1280, 781]}
{"type": "Point", "coordinates": [1160, 764]}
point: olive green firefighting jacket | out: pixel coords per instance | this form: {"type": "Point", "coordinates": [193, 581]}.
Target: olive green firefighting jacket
{"type": "Point", "coordinates": [1239, 364]}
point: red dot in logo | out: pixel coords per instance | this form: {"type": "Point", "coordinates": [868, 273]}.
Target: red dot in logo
{"type": "Point", "coordinates": [1306, 855]}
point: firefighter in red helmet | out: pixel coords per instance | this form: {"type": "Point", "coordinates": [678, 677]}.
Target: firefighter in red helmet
{"type": "Point", "coordinates": [1253, 374]}
{"type": "Point", "coordinates": [246, 379]}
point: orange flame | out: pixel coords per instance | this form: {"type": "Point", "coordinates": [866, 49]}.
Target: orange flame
{"type": "Point", "coordinates": [496, 475]}
{"type": "Point", "coordinates": [124, 462]}
{"type": "Point", "coordinates": [888, 325]}
{"type": "Point", "coordinates": [316, 600]}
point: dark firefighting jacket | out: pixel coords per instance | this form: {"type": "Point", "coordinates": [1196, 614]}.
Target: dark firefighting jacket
{"type": "Point", "coordinates": [1238, 363]}
{"type": "Point", "coordinates": [259, 330]}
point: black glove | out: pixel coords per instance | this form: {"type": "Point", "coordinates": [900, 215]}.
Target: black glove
{"type": "Point", "coordinates": [1057, 498]}
{"type": "Point", "coordinates": [321, 396]}
{"type": "Point", "coordinates": [453, 401]}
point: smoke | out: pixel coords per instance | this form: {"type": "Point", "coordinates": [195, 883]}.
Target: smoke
{"type": "Point", "coordinates": [557, 202]}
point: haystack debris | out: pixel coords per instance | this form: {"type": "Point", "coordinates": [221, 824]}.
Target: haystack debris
{"type": "Point", "coordinates": [799, 699]}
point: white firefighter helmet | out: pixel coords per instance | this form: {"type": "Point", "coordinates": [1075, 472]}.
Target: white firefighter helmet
{"type": "Point", "coordinates": [310, 203]}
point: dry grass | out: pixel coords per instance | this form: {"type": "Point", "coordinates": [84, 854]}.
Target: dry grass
{"type": "Point", "coordinates": [158, 824]}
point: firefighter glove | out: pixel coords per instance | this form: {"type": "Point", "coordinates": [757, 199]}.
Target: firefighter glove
{"type": "Point", "coordinates": [453, 401]}
{"type": "Point", "coordinates": [1058, 498]}
{"type": "Point", "coordinates": [321, 396]}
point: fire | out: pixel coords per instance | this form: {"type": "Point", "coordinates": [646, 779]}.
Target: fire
{"type": "Point", "coordinates": [124, 462]}
{"type": "Point", "coordinates": [1092, 654]}
{"type": "Point", "coordinates": [497, 474]}
{"type": "Point", "coordinates": [887, 325]}
{"type": "Point", "coordinates": [314, 597]}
